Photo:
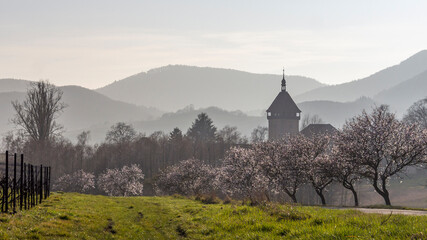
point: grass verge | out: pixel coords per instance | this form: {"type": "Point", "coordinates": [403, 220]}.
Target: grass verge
{"type": "Point", "coordinates": [79, 216]}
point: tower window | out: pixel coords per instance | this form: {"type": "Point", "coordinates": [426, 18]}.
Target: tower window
{"type": "Point", "coordinates": [269, 114]}
{"type": "Point", "coordinates": [297, 114]}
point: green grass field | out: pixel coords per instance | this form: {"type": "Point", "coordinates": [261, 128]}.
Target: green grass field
{"type": "Point", "coordinates": [79, 216]}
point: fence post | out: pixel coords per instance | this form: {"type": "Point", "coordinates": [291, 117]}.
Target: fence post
{"type": "Point", "coordinates": [32, 185]}
{"type": "Point", "coordinates": [3, 191]}
{"type": "Point", "coordinates": [45, 182]}
{"type": "Point", "coordinates": [48, 181]}
{"type": "Point", "coordinates": [6, 185]}
{"type": "Point", "coordinates": [41, 183]}
{"type": "Point", "coordinates": [29, 185]}
{"type": "Point", "coordinates": [14, 183]}
{"type": "Point", "coordinates": [36, 183]}
{"type": "Point", "coordinates": [25, 186]}
{"type": "Point", "coordinates": [21, 196]}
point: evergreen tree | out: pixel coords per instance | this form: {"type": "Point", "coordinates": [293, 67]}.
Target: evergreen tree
{"type": "Point", "coordinates": [175, 135]}
{"type": "Point", "coordinates": [202, 129]}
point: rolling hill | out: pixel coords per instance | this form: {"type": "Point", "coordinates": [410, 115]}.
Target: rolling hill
{"type": "Point", "coordinates": [372, 85]}
{"type": "Point", "coordinates": [86, 108]}
{"type": "Point", "coordinates": [336, 113]}
{"type": "Point", "coordinates": [174, 86]}
{"type": "Point", "coordinates": [403, 95]}
{"type": "Point", "coordinates": [13, 85]}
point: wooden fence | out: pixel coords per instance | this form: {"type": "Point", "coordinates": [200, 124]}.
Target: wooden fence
{"type": "Point", "coordinates": [23, 185]}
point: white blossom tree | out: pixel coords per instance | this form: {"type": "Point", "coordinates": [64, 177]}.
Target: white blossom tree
{"type": "Point", "coordinates": [319, 176]}
{"type": "Point", "coordinates": [127, 181]}
{"type": "Point", "coordinates": [284, 172]}
{"type": "Point", "coordinates": [383, 146]}
{"type": "Point", "coordinates": [79, 181]}
{"type": "Point", "coordinates": [241, 175]}
{"type": "Point", "coordinates": [344, 169]}
{"type": "Point", "coordinates": [189, 177]}
{"type": "Point", "coordinates": [309, 162]}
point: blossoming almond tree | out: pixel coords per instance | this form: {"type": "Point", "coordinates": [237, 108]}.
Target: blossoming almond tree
{"type": "Point", "coordinates": [188, 177]}
{"type": "Point", "coordinates": [313, 152]}
{"type": "Point", "coordinates": [284, 172]}
{"type": "Point", "coordinates": [79, 181]}
{"type": "Point", "coordinates": [127, 181]}
{"type": "Point", "coordinates": [344, 169]}
{"type": "Point", "coordinates": [319, 176]}
{"type": "Point", "coordinates": [240, 174]}
{"type": "Point", "coordinates": [382, 146]}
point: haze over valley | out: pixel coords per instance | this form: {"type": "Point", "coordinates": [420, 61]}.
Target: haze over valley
{"type": "Point", "coordinates": [172, 96]}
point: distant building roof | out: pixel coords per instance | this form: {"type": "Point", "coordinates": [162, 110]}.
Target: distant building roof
{"type": "Point", "coordinates": [284, 105]}
{"type": "Point", "coordinates": [312, 129]}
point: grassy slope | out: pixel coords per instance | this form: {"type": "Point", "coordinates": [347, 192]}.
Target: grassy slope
{"type": "Point", "coordinates": [78, 216]}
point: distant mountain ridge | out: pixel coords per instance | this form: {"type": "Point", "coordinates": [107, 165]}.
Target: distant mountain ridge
{"type": "Point", "coordinates": [403, 95]}
{"type": "Point", "coordinates": [13, 85]}
{"type": "Point", "coordinates": [336, 113]}
{"type": "Point", "coordinates": [175, 86]}
{"type": "Point", "coordinates": [399, 86]}
{"type": "Point", "coordinates": [372, 85]}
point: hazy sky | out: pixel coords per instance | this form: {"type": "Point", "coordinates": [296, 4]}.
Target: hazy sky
{"type": "Point", "coordinates": [92, 43]}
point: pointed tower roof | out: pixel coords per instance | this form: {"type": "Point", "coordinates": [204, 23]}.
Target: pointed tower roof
{"type": "Point", "coordinates": [283, 104]}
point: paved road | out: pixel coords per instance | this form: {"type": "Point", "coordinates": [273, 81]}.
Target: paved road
{"type": "Point", "coordinates": [393, 211]}
{"type": "Point", "coordinates": [385, 211]}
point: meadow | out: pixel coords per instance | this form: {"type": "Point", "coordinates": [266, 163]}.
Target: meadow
{"type": "Point", "coordinates": [80, 216]}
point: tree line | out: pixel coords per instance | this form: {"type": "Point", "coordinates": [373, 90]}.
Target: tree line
{"type": "Point", "coordinates": [39, 137]}
{"type": "Point", "coordinates": [373, 146]}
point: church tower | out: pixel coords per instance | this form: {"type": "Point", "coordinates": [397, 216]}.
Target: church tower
{"type": "Point", "coordinates": [283, 115]}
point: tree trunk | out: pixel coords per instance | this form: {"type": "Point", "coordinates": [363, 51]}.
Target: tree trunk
{"type": "Point", "coordinates": [322, 197]}
{"type": "Point", "coordinates": [356, 200]}
{"type": "Point", "coordinates": [294, 198]}
{"type": "Point", "coordinates": [350, 187]}
{"type": "Point", "coordinates": [384, 192]}
{"type": "Point", "coordinates": [291, 195]}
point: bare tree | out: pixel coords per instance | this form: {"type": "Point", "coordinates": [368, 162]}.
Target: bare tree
{"type": "Point", "coordinates": [259, 134]}
{"type": "Point", "coordinates": [37, 114]}
{"type": "Point", "coordinates": [120, 133]}
{"type": "Point", "coordinates": [307, 120]}
{"type": "Point", "coordinates": [417, 113]}
{"type": "Point", "coordinates": [229, 135]}
{"type": "Point", "coordinates": [14, 141]}
{"type": "Point", "coordinates": [83, 149]}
